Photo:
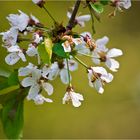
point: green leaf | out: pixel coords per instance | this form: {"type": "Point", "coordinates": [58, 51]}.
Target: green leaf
{"type": "Point", "coordinates": [104, 2]}
{"type": "Point", "coordinates": [9, 89]}
{"type": "Point", "coordinates": [13, 78]}
{"type": "Point", "coordinates": [59, 50]}
{"type": "Point", "coordinates": [12, 115]}
{"type": "Point", "coordinates": [9, 84]}
{"type": "Point", "coordinates": [4, 84]}
{"type": "Point", "coordinates": [98, 8]}
{"type": "Point", "coordinates": [4, 72]}
{"type": "Point", "coordinates": [45, 57]}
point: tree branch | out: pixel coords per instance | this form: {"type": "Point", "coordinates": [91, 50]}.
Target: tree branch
{"type": "Point", "coordinates": [72, 19]}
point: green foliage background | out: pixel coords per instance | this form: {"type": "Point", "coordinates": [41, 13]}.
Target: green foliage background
{"type": "Point", "coordinates": [115, 114]}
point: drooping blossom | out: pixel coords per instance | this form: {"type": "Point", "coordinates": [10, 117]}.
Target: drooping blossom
{"type": "Point", "coordinates": [97, 77]}
{"type": "Point", "coordinates": [72, 96]}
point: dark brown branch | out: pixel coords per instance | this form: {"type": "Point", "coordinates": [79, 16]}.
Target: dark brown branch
{"type": "Point", "coordinates": [72, 19]}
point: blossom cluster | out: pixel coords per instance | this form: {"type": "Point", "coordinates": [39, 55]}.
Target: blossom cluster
{"type": "Point", "coordinates": [56, 50]}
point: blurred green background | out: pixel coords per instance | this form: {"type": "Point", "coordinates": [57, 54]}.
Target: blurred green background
{"type": "Point", "coordinates": [116, 113]}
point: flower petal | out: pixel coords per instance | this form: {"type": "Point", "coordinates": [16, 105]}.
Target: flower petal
{"type": "Point", "coordinates": [48, 100]}
{"type": "Point", "coordinates": [24, 71]}
{"type": "Point", "coordinates": [114, 52]}
{"type": "Point", "coordinates": [100, 70]}
{"type": "Point", "coordinates": [39, 99]}
{"type": "Point", "coordinates": [112, 64]}
{"type": "Point", "coordinates": [12, 58]}
{"type": "Point", "coordinates": [33, 92]}
{"type": "Point", "coordinates": [76, 98]}
{"type": "Point", "coordinates": [48, 88]}
{"type": "Point", "coordinates": [125, 3]}
{"type": "Point", "coordinates": [101, 44]}
{"type": "Point", "coordinates": [107, 78]}
{"type": "Point", "coordinates": [14, 48]}
{"type": "Point", "coordinates": [73, 65]}
{"type": "Point", "coordinates": [32, 51]}
{"type": "Point", "coordinates": [98, 86]}
{"type": "Point", "coordinates": [81, 48]}
{"type": "Point", "coordinates": [22, 56]}
{"type": "Point", "coordinates": [83, 18]}
{"type": "Point", "coordinates": [66, 46]}
{"type": "Point", "coordinates": [28, 81]}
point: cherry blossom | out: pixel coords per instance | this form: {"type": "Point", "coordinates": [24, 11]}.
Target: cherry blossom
{"type": "Point", "coordinates": [71, 96]}
{"type": "Point", "coordinates": [98, 76]}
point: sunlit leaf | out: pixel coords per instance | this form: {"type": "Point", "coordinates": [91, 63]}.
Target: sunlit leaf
{"type": "Point", "coordinates": [48, 47]}
{"type": "Point", "coordinates": [45, 57]}
{"type": "Point", "coordinates": [9, 84]}
{"type": "Point", "coordinates": [4, 72]}
{"type": "Point", "coordinates": [8, 89]}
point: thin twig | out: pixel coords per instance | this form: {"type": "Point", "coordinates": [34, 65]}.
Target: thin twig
{"type": "Point", "coordinates": [72, 19]}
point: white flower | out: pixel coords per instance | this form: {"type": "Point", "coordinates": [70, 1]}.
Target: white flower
{"type": "Point", "coordinates": [124, 3]}
{"type": "Point", "coordinates": [32, 51]}
{"type": "Point", "coordinates": [50, 72]}
{"type": "Point", "coordinates": [84, 48]}
{"type": "Point", "coordinates": [72, 96]}
{"type": "Point", "coordinates": [59, 69]}
{"type": "Point", "coordinates": [90, 44]}
{"type": "Point", "coordinates": [15, 55]}
{"type": "Point", "coordinates": [70, 41]}
{"type": "Point", "coordinates": [36, 83]}
{"type": "Point", "coordinates": [98, 76]}
{"type": "Point", "coordinates": [24, 71]}
{"type": "Point", "coordinates": [37, 39]}
{"type": "Point", "coordinates": [101, 44]}
{"type": "Point", "coordinates": [19, 21]}
{"type": "Point", "coordinates": [39, 99]}
{"type": "Point", "coordinates": [102, 54]}
{"type": "Point", "coordinates": [80, 19]}
{"type": "Point", "coordinates": [10, 37]}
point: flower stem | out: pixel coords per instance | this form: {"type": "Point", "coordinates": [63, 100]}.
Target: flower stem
{"type": "Point", "coordinates": [87, 55]}
{"type": "Point", "coordinates": [68, 71]}
{"type": "Point", "coordinates": [49, 14]}
{"type": "Point", "coordinates": [41, 28]}
{"type": "Point", "coordinates": [81, 62]}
